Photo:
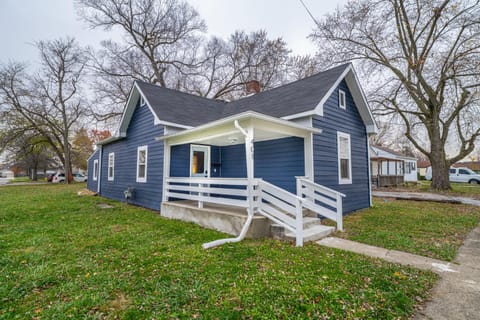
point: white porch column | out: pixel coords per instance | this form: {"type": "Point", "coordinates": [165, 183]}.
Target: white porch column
{"type": "Point", "coordinates": [249, 153]}
{"type": "Point", "coordinates": [166, 169]}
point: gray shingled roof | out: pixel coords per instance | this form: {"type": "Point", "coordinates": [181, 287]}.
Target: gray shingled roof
{"type": "Point", "coordinates": [293, 98]}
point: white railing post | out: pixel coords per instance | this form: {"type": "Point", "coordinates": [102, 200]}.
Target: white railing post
{"type": "Point", "coordinates": [299, 222]}
{"type": "Point", "coordinates": [339, 213]}
{"type": "Point", "coordinates": [200, 194]}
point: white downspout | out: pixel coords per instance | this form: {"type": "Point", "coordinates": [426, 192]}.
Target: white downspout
{"type": "Point", "coordinates": [369, 164]}
{"type": "Point", "coordinates": [99, 175]}
{"type": "Point", "coordinates": [250, 176]}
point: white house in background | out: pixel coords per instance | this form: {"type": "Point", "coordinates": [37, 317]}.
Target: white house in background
{"type": "Point", "coordinates": [391, 168]}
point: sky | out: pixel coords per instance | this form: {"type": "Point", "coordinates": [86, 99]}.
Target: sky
{"type": "Point", "coordinates": [25, 21]}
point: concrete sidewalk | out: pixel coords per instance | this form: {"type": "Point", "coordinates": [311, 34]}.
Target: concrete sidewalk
{"type": "Point", "coordinates": [425, 196]}
{"type": "Point", "coordinates": [455, 296]}
{"type": "Point", "coordinates": [394, 256]}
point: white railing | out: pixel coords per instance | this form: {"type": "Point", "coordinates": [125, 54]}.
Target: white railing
{"type": "Point", "coordinates": [275, 203]}
{"type": "Point", "coordinates": [281, 207]}
{"type": "Point", "coordinates": [225, 191]}
{"type": "Point", "coordinates": [321, 200]}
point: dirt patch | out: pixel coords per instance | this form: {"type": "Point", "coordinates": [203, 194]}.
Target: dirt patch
{"type": "Point", "coordinates": [86, 192]}
{"type": "Point", "coordinates": [104, 206]}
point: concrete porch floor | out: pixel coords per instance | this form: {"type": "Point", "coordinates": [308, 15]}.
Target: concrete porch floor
{"type": "Point", "coordinates": [218, 217]}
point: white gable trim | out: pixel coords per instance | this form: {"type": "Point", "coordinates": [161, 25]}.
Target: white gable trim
{"type": "Point", "coordinates": [358, 96]}
{"type": "Point", "coordinates": [319, 107]}
{"type": "Point", "coordinates": [135, 94]}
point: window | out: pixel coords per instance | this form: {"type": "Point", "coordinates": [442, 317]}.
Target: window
{"type": "Point", "coordinates": [95, 170]}
{"type": "Point", "coordinates": [142, 156]}
{"type": "Point", "coordinates": [342, 103]}
{"type": "Point", "coordinates": [463, 171]}
{"type": "Point", "coordinates": [344, 158]}
{"type": "Point", "coordinates": [408, 168]}
{"type": "Point", "coordinates": [142, 101]}
{"type": "Point", "coordinates": [111, 165]}
{"type": "Point", "coordinates": [452, 171]}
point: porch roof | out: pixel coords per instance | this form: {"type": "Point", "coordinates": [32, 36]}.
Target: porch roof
{"type": "Point", "coordinates": [223, 132]}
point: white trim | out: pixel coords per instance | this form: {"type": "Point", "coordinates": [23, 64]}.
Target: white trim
{"type": "Point", "coordinates": [340, 179]}
{"type": "Point", "coordinates": [200, 146]}
{"type": "Point", "coordinates": [142, 101]}
{"type": "Point", "coordinates": [340, 94]}
{"type": "Point", "coordinates": [111, 158]}
{"type": "Point", "coordinates": [95, 172]}
{"type": "Point", "coordinates": [242, 116]}
{"type": "Point", "coordinates": [302, 114]}
{"type": "Point", "coordinates": [140, 149]}
{"type": "Point", "coordinates": [166, 169]}
{"type": "Point", "coordinates": [99, 184]}
{"type": "Point", "coordinates": [319, 107]}
{"type": "Point", "coordinates": [93, 153]}
{"type": "Point", "coordinates": [369, 172]}
{"type": "Point", "coordinates": [308, 154]}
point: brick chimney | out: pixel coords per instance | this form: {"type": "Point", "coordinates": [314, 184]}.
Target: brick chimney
{"type": "Point", "coordinates": [252, 87]}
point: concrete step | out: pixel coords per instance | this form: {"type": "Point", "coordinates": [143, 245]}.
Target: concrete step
{"type": "Point", "coordinates": [307, 223]}
{"type": "Point", "coordinates": [313, 233]}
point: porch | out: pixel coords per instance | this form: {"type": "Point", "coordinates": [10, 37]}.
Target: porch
{"type": "Point", "coordinates": [257, 178]}
{"type": "Point", "coordinates": [387, 172]}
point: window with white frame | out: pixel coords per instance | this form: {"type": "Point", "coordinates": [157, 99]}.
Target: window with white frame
{"type": "Point", "coordinates": [142, 101]}
{"type": "Point", "coordinates": [111, 166]}
{"type": "Point", "coordinates": [342, 101]}
{"type": "Point", "coordinates": [142, 156]}
{"type": "Point", "coordinates": [95, 169]}
{"type": "Point", "coordinates": [344, 158]}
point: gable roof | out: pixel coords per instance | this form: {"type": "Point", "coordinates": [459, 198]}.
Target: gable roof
{"type": "Point", "coordinates": [383, 152]}
{"type": "Point", "coordinates": [297, 99]}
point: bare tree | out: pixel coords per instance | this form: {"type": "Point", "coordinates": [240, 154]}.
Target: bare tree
{"type": "Point", "coordinates": [229, 65]}
{"type": "Point", "coordinates": [425, 57]}
{"type": "Point", "coordinates": [50, 102]}
{"type": "Point", "coordinates": [160, 39]}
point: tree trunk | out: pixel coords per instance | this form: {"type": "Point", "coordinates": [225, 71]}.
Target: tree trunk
{"type": "Point", "coordinates": [67, 164]}
{"type": "Point", "coordinates": [34, 173]}
{"type": "Point", "coordinates": [440, 167]}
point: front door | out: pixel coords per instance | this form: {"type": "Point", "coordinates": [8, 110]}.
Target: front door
{"type": "Point", "coordinates": [199, 161]}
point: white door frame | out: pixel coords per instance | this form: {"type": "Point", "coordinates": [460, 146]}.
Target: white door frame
{"type": "Point", "coordinates": [206, 149]}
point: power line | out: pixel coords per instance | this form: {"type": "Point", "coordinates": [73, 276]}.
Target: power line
{"type": "Point", "coordinates": [309, 12]}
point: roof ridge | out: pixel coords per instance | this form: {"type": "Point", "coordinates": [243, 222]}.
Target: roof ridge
{"type": "Point", "coordinates": [291, 83]}
{"type": "Point", "coordinates": [179, 91]}
{"type": "Point", "coordinates": [225, 103]}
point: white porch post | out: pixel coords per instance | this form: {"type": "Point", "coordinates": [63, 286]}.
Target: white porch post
{"type": "Point", "coordinates": [166, 169]}
{"type": "Point", "coordinates": [249, 153]}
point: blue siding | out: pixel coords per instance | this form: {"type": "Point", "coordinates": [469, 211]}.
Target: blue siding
{"type": "Point", "coordinates": [141, 131]}
{"type": "Point", "coordinates": [325, 150]}
{"type": "Point", "coordinates": [276, 161]}
{"type": "Point", "coordinates": [92, 185]}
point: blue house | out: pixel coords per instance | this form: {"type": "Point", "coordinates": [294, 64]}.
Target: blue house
{"type": "Point", "coordinates": [285, 156]}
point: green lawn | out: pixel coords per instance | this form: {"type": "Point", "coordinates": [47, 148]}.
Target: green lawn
{"type": "Point", "coordinates": [20, 179]}
{"type": "Point", "coordinates": [458, 189]}
{"type": "Point", "coordinates": [63, 257]}
{"type": "Point", "coordinates": [430, 229]}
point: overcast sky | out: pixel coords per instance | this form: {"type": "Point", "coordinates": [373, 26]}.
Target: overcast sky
{"type": "Point", "coordinates": [24, 21]}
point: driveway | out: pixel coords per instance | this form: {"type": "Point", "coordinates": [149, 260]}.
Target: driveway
{"type": "Point", "coordinates": [425, 196]}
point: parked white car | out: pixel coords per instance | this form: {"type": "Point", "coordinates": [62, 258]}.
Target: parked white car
{"type": "Point", "coordinates": [458, 175]}
{"type": "Point", "coordinates": [78, 177]}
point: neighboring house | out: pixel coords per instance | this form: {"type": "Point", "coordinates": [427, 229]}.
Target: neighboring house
{"type": "Point", "coordinates": [307, 138]}
{"type": "Point", "coordinates": [391, 168]}
{"type": "Point", "coordinates": [472, 165]}
{"type": "Point", "coordinates": [422, 166]}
